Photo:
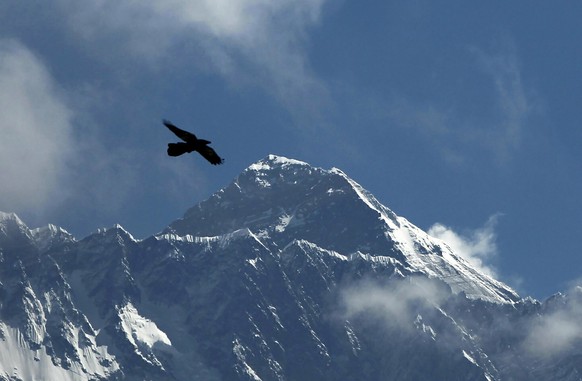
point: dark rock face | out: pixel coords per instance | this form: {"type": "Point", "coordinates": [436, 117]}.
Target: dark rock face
{"type": "Point", "coordinates": [289, 273]}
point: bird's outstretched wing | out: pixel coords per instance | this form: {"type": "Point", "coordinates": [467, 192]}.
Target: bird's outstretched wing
{"type": "Point", "coordinates": [210, 154]}
{"type": "Point", "coordinates": [192, 143]}
{"type": "Point", "coordinates": [186, 136]}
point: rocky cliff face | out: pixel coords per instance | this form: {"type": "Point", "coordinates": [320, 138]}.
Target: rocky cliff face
{"type": "Point", "coordinates": [289, 273]}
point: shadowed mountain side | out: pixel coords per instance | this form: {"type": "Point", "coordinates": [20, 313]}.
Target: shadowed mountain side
{"type": "Point", "coordinates": [289, 273]}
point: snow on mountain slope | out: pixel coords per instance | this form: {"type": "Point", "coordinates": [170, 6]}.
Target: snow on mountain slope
{"type": "Point", "coordinates": [50, 235]}
{"type": "Point", "coordinates": [43, 336]}
{"type": "Point", "coordinates": [20, 362]}
{"type": "Point", "coordinates": [289, 273]}
{"type": "Point", "coordinates": [283, 199]}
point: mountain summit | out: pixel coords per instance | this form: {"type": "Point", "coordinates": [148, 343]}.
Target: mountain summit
{"type": "Point", "coordinates": [291, 272]}
{"type": "Point", "coordinates": [281, 200]}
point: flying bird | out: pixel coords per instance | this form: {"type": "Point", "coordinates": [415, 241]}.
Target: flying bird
{"type": "Point", "coordinates": [192, 143]}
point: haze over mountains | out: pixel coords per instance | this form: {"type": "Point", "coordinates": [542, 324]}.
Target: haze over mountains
{"type": "Point", "coordinates": [291, 272]}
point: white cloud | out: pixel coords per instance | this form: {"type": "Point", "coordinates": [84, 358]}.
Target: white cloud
{"type": "Point", "coordinates": [247, 41]}
{"type": "Point", "coordinates": [514, 103]}
{"type": "Point", "coordinates": [35, 132]}
{"type": "Point", "coordinates": [556, 332]}
{"type": "Point", "coordinates": [47, 166]}
{"type": "Point", "coordinates": [394, 303]}
{"type": "Point", "coordinates": [478, 247]}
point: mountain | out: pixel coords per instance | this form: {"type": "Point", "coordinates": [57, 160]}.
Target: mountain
{"type": "Point", "coordinates": [282, 201]}
{"type": "Point", "coordinates": [291, 272]}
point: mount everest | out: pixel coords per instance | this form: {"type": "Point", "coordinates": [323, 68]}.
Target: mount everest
{"type": "Point", "coordinates": [291, 272]}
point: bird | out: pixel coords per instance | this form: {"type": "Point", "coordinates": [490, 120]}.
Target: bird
{"type": "Point", "coordinates": [192, 143]}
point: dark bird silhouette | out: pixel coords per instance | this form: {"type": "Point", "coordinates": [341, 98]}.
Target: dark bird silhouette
{"type": "Point", "coordinates": [192, 143]}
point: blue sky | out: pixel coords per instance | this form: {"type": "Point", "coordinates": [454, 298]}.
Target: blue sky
{"type": "Point", "coordinates": [462, 117]}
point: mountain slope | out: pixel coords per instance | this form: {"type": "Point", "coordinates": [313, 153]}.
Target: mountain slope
{"type": "Point", "coordinates": [289, 273]}
{"type": "Point", "coordinates": [282, 199]}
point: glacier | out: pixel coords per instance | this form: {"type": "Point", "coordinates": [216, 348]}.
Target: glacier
{"type": "Point", "coordinates": [290, 272]}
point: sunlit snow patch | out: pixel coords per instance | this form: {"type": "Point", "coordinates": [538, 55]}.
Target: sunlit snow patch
{"type": "Point", "coordinates": [18, 361]}
{"type": "Point", "coordinates": [143, 333]}
{"type": "Point", "coordinates": [242, 366]}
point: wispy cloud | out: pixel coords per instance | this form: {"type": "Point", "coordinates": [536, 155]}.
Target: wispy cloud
{"type": "Point", "coordinates": [49, 163]}
{"type": "Point", "coordinates": [477, 246]}
{"type": "Point", "coordinates": [557, 332]}
{"type": "Point", "coordinates": [36, 132]}
{"type": "Point", "coordinates": [395, 303]}
{"type": "Point", "coordinates": [506, 106]}
{"type": "Point", "coordinates": [514, 103]}
{"type": "Point", "coordinates": [257, 42]}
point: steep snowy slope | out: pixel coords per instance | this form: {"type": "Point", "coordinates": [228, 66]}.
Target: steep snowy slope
{"type": "Point", "coordinates": [281, 199]}
{"type": "Point", "coordinates": [289, 273]}
{"type": "Point", "coordinates": [43, 336]}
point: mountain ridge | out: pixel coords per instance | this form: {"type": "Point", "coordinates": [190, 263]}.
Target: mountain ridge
{"type": "Point", "coordinates": [323, 190]}
{"type": "Point", "coordinates": [291, 272]}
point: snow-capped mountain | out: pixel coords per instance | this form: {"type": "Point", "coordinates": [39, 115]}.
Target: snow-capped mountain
{"type": "Point", "coordinates": [282, 200]}
{"type": "Point", "coordinates": [291, 272]}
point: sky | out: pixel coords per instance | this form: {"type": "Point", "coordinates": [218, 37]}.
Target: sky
{"type": "Point", "coordinates": [462, 117]}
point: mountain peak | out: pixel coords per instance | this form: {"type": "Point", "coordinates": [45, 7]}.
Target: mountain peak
{"type": "Point", "coordinates": [289, 272]}
{"type": "Point", "coordinates": [280, 200]}
{"type": "Point", "coordinates": [47, 236]}
{"type": "Point", "coordinates": [275, 161]}
{"type": "Point", "coordinates": [10, 217]}
{"type": "Point", "coordinates": [115, 233]}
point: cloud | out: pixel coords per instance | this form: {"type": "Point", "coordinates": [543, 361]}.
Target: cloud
{"type": "Point", "coordinates": [394, 303]}
{"type": "Point", "coordinates": [478, 247]}
{"type": "Point", "coordinates": [514, 104]}
{"type": "Point", "coordinates": [462, 126]}
{"type": "Point", "coordinates": [246, 41]}
{"type": "Point", "coordinates": [36, 132]}
{"type": "Point", "coordinates": [558, 331]}
{"type": "Point", "coordinates": [50, 164]}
